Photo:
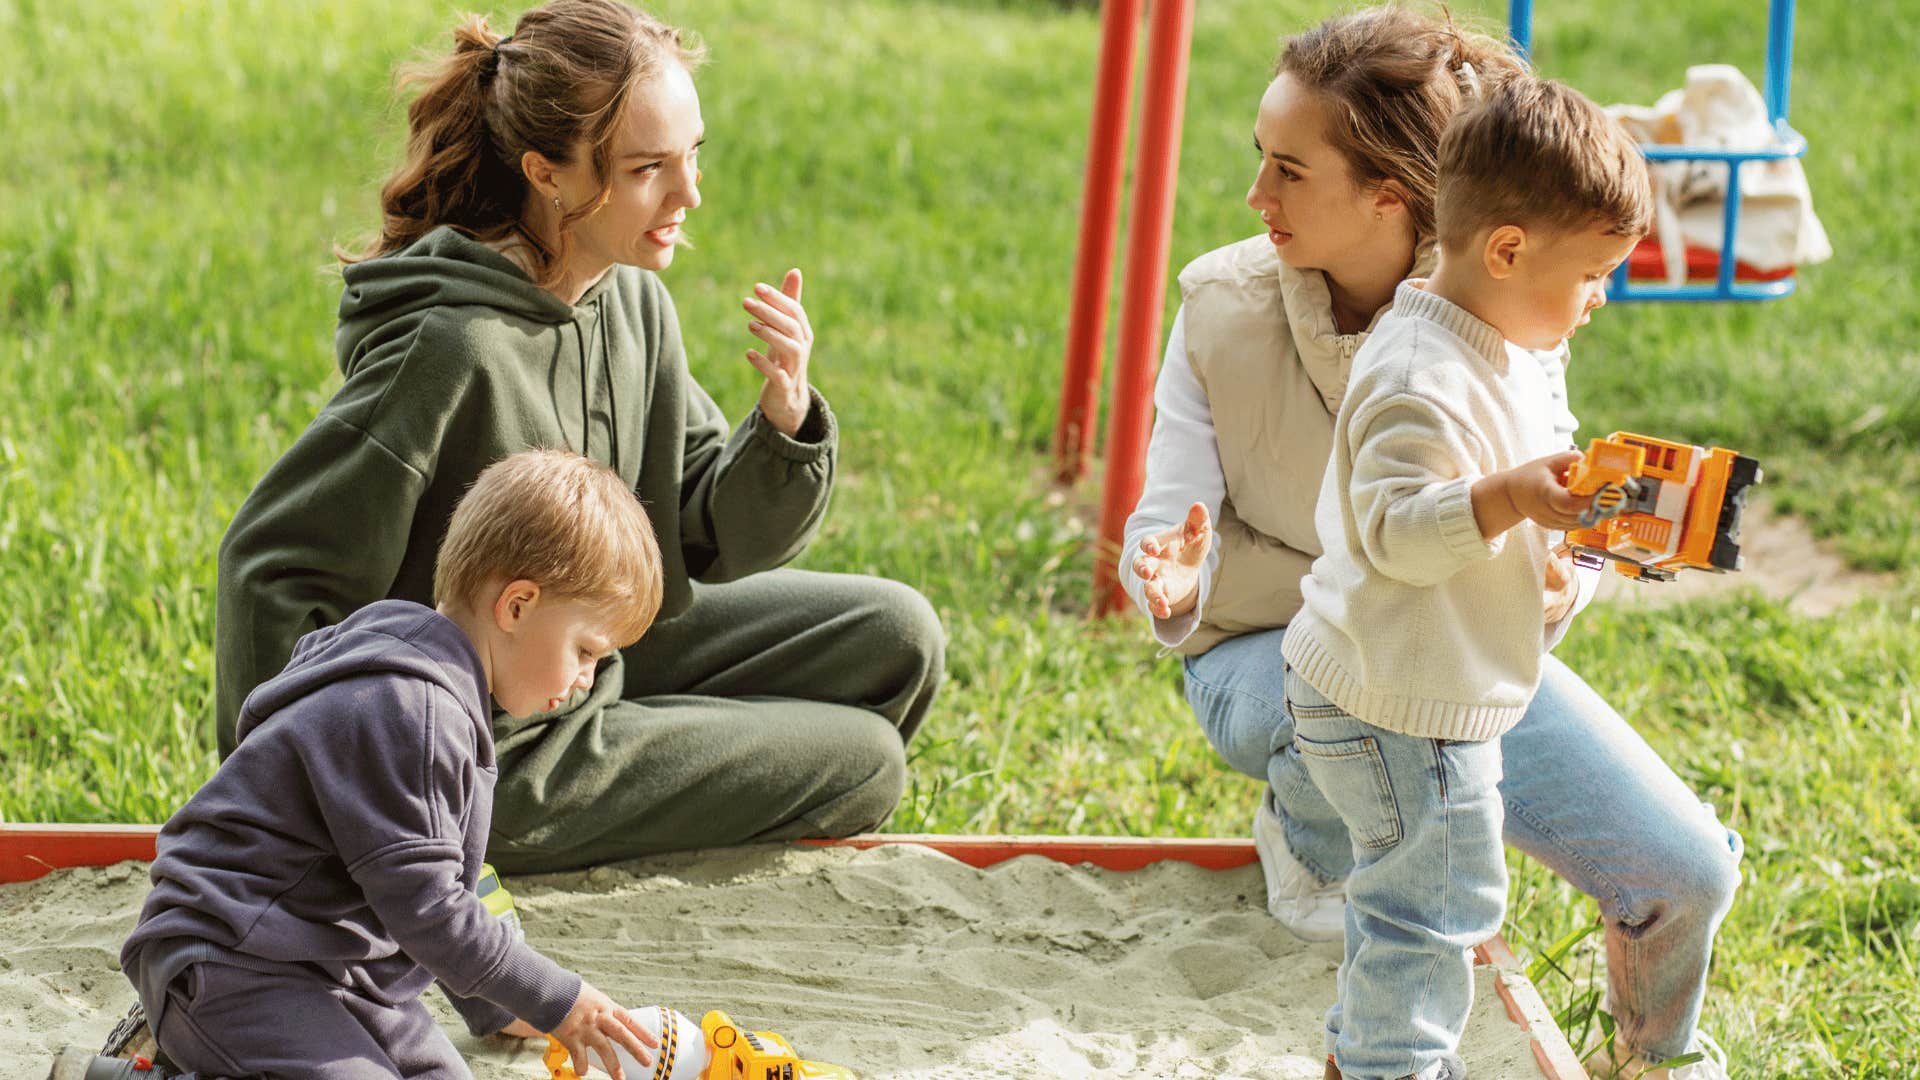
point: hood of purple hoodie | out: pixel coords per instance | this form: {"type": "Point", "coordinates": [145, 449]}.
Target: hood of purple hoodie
{"type": "Point", "coordinates": [388, 636]}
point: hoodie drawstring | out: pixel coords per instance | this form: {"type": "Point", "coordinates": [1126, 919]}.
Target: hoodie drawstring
{"type": "Point", "coordinates": [586, 418]}
{"type": "Point", "coordinates": [607, 379]}
{"type": "Point", "coordinates": [613, 396]}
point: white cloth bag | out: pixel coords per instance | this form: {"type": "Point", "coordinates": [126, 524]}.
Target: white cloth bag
{"type": "Point", "coordinates": [1719, 108]}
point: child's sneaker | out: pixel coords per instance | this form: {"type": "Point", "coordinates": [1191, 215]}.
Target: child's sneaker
{"type": "Point", "coordinates": [132, 1037]}
{"type": "Point", "coordinates": [1712, 1064]}
{"type": "Point", "coordinates": [1314, 912]}
{"type": "Point", "coordinates": [76, 1064]}
{"type": "Point", "coordinates": [130, 1053]}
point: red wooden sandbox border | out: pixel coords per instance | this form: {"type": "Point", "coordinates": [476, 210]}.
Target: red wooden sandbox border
{"type": "Point", "coordinates": [31, 851]}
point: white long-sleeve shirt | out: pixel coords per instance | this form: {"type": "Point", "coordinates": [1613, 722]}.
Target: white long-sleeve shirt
{"type": "Point", "coordinates": [1183, 467]}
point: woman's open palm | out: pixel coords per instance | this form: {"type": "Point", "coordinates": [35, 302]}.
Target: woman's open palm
{"type": "Point", "coordinates": [1169, 564]}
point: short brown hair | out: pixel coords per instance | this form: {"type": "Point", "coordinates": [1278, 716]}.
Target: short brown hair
{"type": "Point", "coordinates": [564, 522]}
{"type": "Point", "coordinates": [562, 78]}
{"type": "Point", "coordinates": [1391, 79]}
{"type": "Point", "coordinates": [1538, 154]}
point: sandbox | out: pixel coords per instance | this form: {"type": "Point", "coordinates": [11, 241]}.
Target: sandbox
{"type": "Point", "coordinates": [893, 958]}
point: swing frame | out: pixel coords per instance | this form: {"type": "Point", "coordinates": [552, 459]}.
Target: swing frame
{"type": "Point", "coordinates": [1728, 283]}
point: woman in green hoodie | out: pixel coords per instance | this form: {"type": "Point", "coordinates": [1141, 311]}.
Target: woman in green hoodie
{"type": "Point", "coordinates": [511, 301]}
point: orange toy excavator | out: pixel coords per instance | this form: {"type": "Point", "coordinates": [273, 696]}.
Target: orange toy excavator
{"type": "Point", "coordinates": [1660, 507]}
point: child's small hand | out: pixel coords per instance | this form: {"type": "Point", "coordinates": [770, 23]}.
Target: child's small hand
{"type": "Point", "coordinates": [1530, 492]}
{"type": "Point", "coordinates": [1563, 588]}
{"type": "Point", "coordinates": [596, 1023]}
{"type": "Point", "coordinates": [1169, 564]}
{"type": "Point", "coordinates": [781, 322]}
{"type": "Point", "coordinates": [1540, 495]}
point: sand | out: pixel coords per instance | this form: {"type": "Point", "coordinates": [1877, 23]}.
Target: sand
{"type": "Point", "coordinates": [898, 962]}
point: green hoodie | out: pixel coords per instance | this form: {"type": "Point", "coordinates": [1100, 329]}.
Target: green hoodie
{"type": "Point", "coordinates": [454, 359]}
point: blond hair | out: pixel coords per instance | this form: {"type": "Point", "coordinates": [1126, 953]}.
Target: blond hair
{"type": "Point", "coordinates": [1390, 80]}
{"type": "Point", "coordinates": [561, 79]}
{"type": "Point", "coordinates": [562, 521]}
{"type": "Point", "coordinates": [1538, 154]}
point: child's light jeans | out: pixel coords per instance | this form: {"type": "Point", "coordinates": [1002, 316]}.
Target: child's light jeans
{"type": "Point", "coordinates": [1429, 882]}
{"type": "Point", "coordinates": [1585, 795]}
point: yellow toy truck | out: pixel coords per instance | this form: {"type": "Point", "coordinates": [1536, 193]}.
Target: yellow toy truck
{"type": "Point", "coordinates": [1660, 507]}
{"type": "Point", "coordinates": [730, 1053]}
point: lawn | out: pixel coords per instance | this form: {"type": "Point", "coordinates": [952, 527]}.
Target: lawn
{"type": "Point", "coordinates": [176, 173]}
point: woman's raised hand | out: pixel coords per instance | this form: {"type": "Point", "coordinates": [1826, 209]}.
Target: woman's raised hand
{"type": "Point", "coordinates": [1169, 564]}
{"type": "Point", "coordinates": [781, 322]}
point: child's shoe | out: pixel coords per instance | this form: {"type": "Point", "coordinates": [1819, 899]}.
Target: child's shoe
{"type": "Point", "coordinates": [1712, 1064]}
{"type": "Point", "coordinates": [76, 1064]}
{"type": "Point", "coordinates": [1451, 1068]}
{"type": "Point", "coordinates": [1314, 912]}
{"type": "Point", "coordinates": [132, 1037]}
{"type": "Point", "coordinates": [130, 1053]}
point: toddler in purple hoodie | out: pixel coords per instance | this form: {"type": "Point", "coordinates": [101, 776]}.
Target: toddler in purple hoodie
{"type": "Point", "coordinates": [324, 877]}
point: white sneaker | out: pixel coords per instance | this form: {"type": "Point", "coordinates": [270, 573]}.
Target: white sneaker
{"type": "Point", "coordinates": [1711, 1066]}
{"type": "Point", "coordinates": [1314, 912]}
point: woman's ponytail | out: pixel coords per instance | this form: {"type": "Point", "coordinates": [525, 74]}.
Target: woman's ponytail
{"type": "Point", "coordinates": [452, 173]}
{"type": "Point", "coordinates": [1480, 62]}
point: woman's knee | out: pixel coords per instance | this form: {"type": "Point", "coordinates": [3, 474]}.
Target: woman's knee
{"type": "Point", "coordinates": [868, 777]}
{"type": "Point", "coordinates": [1240, 728]}
{"type": "Point", "coordinates": [1236, 691]}
{"type": "Point", "coordinates": [895, 649]}
{"type": "Point", "coordinates": [1715, 876]}
{"type": "Point", "coordinates": [1698, 871]}
{"type": "Point", "coordinates": [901, 620]}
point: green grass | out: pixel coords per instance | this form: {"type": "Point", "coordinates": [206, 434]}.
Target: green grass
{"type": "Point", "coordinates": [176, 173]}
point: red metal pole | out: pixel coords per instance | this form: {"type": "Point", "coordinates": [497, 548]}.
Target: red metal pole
{"type": "Point", "coordinates": [1099, 214]}
{"type": "Point", "coordinates": [1149, 237]}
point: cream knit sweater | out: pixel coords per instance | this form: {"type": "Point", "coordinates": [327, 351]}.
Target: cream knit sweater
{"type": "Point", "coordinates": [1411, 620]}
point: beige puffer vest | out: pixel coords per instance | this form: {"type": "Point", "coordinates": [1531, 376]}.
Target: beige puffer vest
{"type": "Point", "coordinates": [1261, 339]}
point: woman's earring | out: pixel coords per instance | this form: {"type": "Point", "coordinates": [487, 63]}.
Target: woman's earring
{"type": "Point", "coordinates": [556, 202]}
{"type": "Point", "coordinates": [1379, 216]}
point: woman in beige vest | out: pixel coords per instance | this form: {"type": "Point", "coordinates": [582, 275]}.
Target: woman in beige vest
{"type": "Point", "coordinates": [1348, 135]}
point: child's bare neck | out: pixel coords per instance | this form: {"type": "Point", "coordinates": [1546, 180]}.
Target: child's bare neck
{"type": "Point", "coordinates": [473, 625]}
{"type": "Point", "coordinates": [1467, 288]}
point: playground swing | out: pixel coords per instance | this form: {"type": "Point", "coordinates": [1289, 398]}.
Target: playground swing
{"type": "Point", "coordinates": [1730, 279]}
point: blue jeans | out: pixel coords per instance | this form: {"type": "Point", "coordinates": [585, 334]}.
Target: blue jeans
{"type": "Point", "coordinates": [1584, 795]}
{"type": "Point", "coordinates": [1429, 882]}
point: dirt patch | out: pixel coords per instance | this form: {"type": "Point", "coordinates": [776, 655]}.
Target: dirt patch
{"type": "Point", "coordinates": [1783, 560]}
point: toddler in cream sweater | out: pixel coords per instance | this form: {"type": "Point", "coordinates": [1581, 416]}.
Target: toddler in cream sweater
{"type": "Point", "coordinates": [1420, 637]}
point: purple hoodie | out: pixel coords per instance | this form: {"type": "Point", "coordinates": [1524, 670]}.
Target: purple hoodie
{"type": "Point", "coordinates": [344, 836]}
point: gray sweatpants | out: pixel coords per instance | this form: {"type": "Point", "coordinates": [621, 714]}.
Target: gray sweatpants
{"type": "Point", "coordinates": [776, 707]}
{"type": "Point", "coordinates": [225, 1021]}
